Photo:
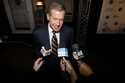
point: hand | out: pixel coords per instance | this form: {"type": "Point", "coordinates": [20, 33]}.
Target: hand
{"type": "Point", "coordinates": [66, 65]}
{"type": "Point", "coordinates": [62, 65]}
{"type": "Point", "coordinates": [37, 64]}
{"type": "Point", "coordinates": [85, 69]}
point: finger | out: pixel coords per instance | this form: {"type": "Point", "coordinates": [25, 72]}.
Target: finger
{"type": "Point", "coordinates": [62, 65]}
{"type": "Point", "coordinates": [61, 61]}
{"type": "Point", "coordinates": [37, 66]}
{"type": "Point", "coordinates": [38, 60]}
{"type": "Point", "coordinates": [43, 48]}
{"type": "Point", "coordinates": [64, 59]}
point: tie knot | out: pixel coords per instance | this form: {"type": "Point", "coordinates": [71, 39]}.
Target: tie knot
{"type": "Point", "coordinates": [54, 32]}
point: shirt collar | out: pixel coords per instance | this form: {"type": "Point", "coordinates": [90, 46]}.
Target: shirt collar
{"type": "Point", "coordinates": [50, 29]}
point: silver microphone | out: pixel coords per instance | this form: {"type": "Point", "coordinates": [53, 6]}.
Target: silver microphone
{"type": "Point", "coordinates": [44, 51]}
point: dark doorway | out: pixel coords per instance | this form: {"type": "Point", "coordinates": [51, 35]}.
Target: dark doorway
{"type": "Point", "coordinates": [4, 24]}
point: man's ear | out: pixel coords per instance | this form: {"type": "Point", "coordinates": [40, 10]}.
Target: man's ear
{"type": "Point", "coordinates": [48, 16]}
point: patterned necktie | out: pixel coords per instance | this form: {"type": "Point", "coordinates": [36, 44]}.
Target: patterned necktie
{"type": "Point", "coordinates": [54, 44]}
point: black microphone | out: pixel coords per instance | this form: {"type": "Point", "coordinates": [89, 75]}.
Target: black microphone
{"type": "Point", "coordinates": [77, 53]}
{"type": "Point", "coordinates": [75, 47]}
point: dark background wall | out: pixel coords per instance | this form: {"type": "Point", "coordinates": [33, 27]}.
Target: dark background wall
{"type": "Point", "coordinates": [4, 24]}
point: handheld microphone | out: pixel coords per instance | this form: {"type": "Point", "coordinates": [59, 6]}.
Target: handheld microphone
{"type": "Point", "coordinates": [62, 52]}
{"type": "Point", "coordinates": [75, 47]}
{"type": "Point", "coordinates": [44, 51]}
{"type": "Point", "coordinates": [77, 53]}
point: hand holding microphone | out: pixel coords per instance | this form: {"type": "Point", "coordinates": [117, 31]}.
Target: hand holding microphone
{"type": "Point", "coordinates": [38, 63]}
{"type": "Point", "coordinates": [84, 68]}
{"type": "Point", "coordinates": [67, 66]}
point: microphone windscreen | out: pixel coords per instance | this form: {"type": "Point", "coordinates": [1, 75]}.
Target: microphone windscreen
{"type": "Point", "coordinates": [75, 47]}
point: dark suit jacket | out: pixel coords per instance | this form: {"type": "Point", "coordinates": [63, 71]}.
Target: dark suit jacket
{"type": "Point", "coordinates": [51, 65]}
{"type": "Point", "coordinates": [41, 38]}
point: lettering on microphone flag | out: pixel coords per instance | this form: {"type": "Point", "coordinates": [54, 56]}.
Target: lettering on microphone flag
{"type": "Point", "coordinates": [62, 52]}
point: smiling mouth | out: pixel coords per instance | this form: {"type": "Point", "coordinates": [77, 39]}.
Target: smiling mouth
{"type": "Point", "coordinates": [56, 27]}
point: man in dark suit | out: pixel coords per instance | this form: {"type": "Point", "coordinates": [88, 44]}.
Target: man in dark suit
{"type": "Point", "coordinates": [50, 66]}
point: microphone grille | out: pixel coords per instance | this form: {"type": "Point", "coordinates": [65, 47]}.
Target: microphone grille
{"type": "Point", "coordinates": [75, 46]}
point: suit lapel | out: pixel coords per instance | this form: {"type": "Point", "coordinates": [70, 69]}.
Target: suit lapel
{"type": "Point", "coordinates": [62, 39]}
{"type": "Point", "coordinates": [46, 36]}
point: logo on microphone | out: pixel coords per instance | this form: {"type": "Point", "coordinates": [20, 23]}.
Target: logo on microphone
{"type": "Point", "coordinates": [62, 52]}
{"type": "Point", "coordinates": [77, 53]}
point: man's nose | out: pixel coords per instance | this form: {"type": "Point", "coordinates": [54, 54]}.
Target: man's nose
{"type": "Point", "coordinates": [58, 23]}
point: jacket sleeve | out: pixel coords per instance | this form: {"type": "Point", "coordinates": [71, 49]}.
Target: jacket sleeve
{"type": "Point", "coordinates": [36, 45]}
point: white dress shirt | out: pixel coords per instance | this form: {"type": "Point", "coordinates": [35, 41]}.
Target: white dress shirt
{"type": "Point", "coordinates": [51, 35]}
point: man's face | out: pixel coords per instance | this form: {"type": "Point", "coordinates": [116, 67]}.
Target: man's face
{"type": "Point", "coordinates": [55, 19]}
